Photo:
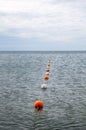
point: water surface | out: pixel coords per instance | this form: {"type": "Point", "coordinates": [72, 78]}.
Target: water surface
{"type": "Point", "coordinates": [21, 76]}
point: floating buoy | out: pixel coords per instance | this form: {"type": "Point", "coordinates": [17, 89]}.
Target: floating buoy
{"type": "Point", "coordinates": [44, 86]}
{"type": "Point", "coordinates": [48, 67]}
{"type": "Point", "coordinates": [47, 73]}
{"type": "Point", "coordinates": [46, 77]}
{"type": "Point", "coordinates": [38, 105]}
{"type": "Point", "coordinates": [48, 61]}
{"type": "Point", "coordinates": [47, 70]}
{"type": "Point", "coordinates": [48, 64]}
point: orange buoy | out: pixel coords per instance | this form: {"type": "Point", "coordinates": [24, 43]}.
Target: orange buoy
{"type": "Point", "coordinates": [38, 105]}
{"type": "Point", "coordinates": [46, 77]}
{"type": "Point", "coordinates": [48, 64]}
{"type": "Point", "coordinates": [47, 70]}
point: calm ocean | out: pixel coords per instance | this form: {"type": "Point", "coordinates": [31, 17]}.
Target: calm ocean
{"type": "Point", "coordinates": [21, 76]}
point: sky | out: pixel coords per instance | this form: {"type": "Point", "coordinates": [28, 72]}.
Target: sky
{"type": "Point", "coordinates": [54, 25]}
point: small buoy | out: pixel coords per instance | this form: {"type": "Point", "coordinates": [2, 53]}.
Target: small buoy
{"type": "Point", "coordinates": [47, 70]}
{"type": "Point", "coordinates": [47, 73]}
{"type": "Point", "coordinates": [46, 77]}
{"type": "Point", "coordinates": [48, 61]}
{"type": "Point", "coordinates": [38, 105]}
{"type": "Point", "coordinates": [48, 64]}
{"type": "Point", "coordinates": [48, 67]}
{"type": "Point", "coordinates": [44, 86]}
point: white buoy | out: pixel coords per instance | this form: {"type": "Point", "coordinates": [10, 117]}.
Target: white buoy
{"type": "Point", "coordinates": [47, 73]}
{"type": "Point", "coordinates": [44, 86]}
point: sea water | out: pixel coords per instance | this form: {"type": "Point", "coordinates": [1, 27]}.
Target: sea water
{"type": "Point", "coordinates": [21, 77]}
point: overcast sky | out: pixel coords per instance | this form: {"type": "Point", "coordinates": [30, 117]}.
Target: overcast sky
{"type": "Point", "coordinates": [43, 25]}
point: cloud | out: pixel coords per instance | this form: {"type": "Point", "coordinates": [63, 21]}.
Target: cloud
{"type": "Point", "coordinates": [51, 20]}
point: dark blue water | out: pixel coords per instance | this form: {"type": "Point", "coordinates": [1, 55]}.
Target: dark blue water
{"type": "Point", "coordinates": [21, 76]}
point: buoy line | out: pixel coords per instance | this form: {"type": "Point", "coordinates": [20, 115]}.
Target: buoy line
{"type": "Point", "coordinates": [46, 77]}
{"type": "Point", "coordinates": [38, 105]}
